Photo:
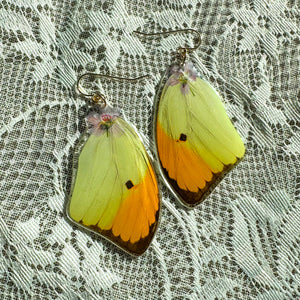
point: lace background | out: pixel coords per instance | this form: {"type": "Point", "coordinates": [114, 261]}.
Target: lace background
{"type": "Point", "coordinates": [242, 242]}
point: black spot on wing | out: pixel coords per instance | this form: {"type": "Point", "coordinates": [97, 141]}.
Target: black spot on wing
{"type": "Point", "coordinates": [183, 137]}
{"type": "Point", "coordinates": [129, 184]}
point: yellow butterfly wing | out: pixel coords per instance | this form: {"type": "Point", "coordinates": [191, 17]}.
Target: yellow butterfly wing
{"type": "Point", "coordinates": [195, 138]}
{"type": "Point", "coordinates": [115, 192]}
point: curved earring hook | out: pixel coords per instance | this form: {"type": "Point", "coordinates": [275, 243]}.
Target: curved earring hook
{"type": "Point", "coordinates": [99, 98]}
{"type": "Point", "coordinates": [182, 51]}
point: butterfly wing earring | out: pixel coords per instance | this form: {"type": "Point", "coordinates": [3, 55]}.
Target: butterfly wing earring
{"type": "Point", "coordinates": [196, 143]}
{"type": "Point", "coordinates": [114, 191]}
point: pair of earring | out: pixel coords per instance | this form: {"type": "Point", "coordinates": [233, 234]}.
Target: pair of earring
{"type": "Point", "coordinates": [115, 191]}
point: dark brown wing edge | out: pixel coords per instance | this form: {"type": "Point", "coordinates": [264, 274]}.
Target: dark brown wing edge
{"type": "Point", "coordinates": [137, 248]}
{"type": "Point", "coordinates": [191, 199]}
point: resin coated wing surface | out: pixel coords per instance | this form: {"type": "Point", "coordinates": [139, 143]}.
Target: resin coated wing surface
{"type": "Point", "coordinates": [115, 192]}
{"type": "Point", "coordinates": [195, 138]}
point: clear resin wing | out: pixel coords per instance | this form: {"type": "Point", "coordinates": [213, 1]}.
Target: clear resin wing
{"type": "Point", "coordinates": [115, 190]}
{"type": "Point", "coordinates": [195, 139]}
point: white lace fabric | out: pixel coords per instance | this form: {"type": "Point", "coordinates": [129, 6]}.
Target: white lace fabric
{"type": "Point", "coordinates": [242, 242]}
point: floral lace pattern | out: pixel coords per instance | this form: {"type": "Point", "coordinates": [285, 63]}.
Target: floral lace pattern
{"type": "Point", "coordinates": [242, 242]}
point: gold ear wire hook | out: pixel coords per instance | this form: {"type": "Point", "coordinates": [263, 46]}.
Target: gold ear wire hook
{"type": "Point", "coordinates": [182, 51]}
{"type": "Point", "coordinates": [98, 97]}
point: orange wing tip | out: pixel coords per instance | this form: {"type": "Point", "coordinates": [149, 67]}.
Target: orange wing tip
{"type": "Point", "coordinates": [136, 221]}
{"type": "Point", "coordinates": [136, 247]}
{"type": "Point", "coordinates": [190, 171]}
{"type": "Point", "coordinates": [191, 198]}
{"type": "Point", "coordinates": [190, 185]}
{"type": "Point", "coordinates": [138, 210]}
